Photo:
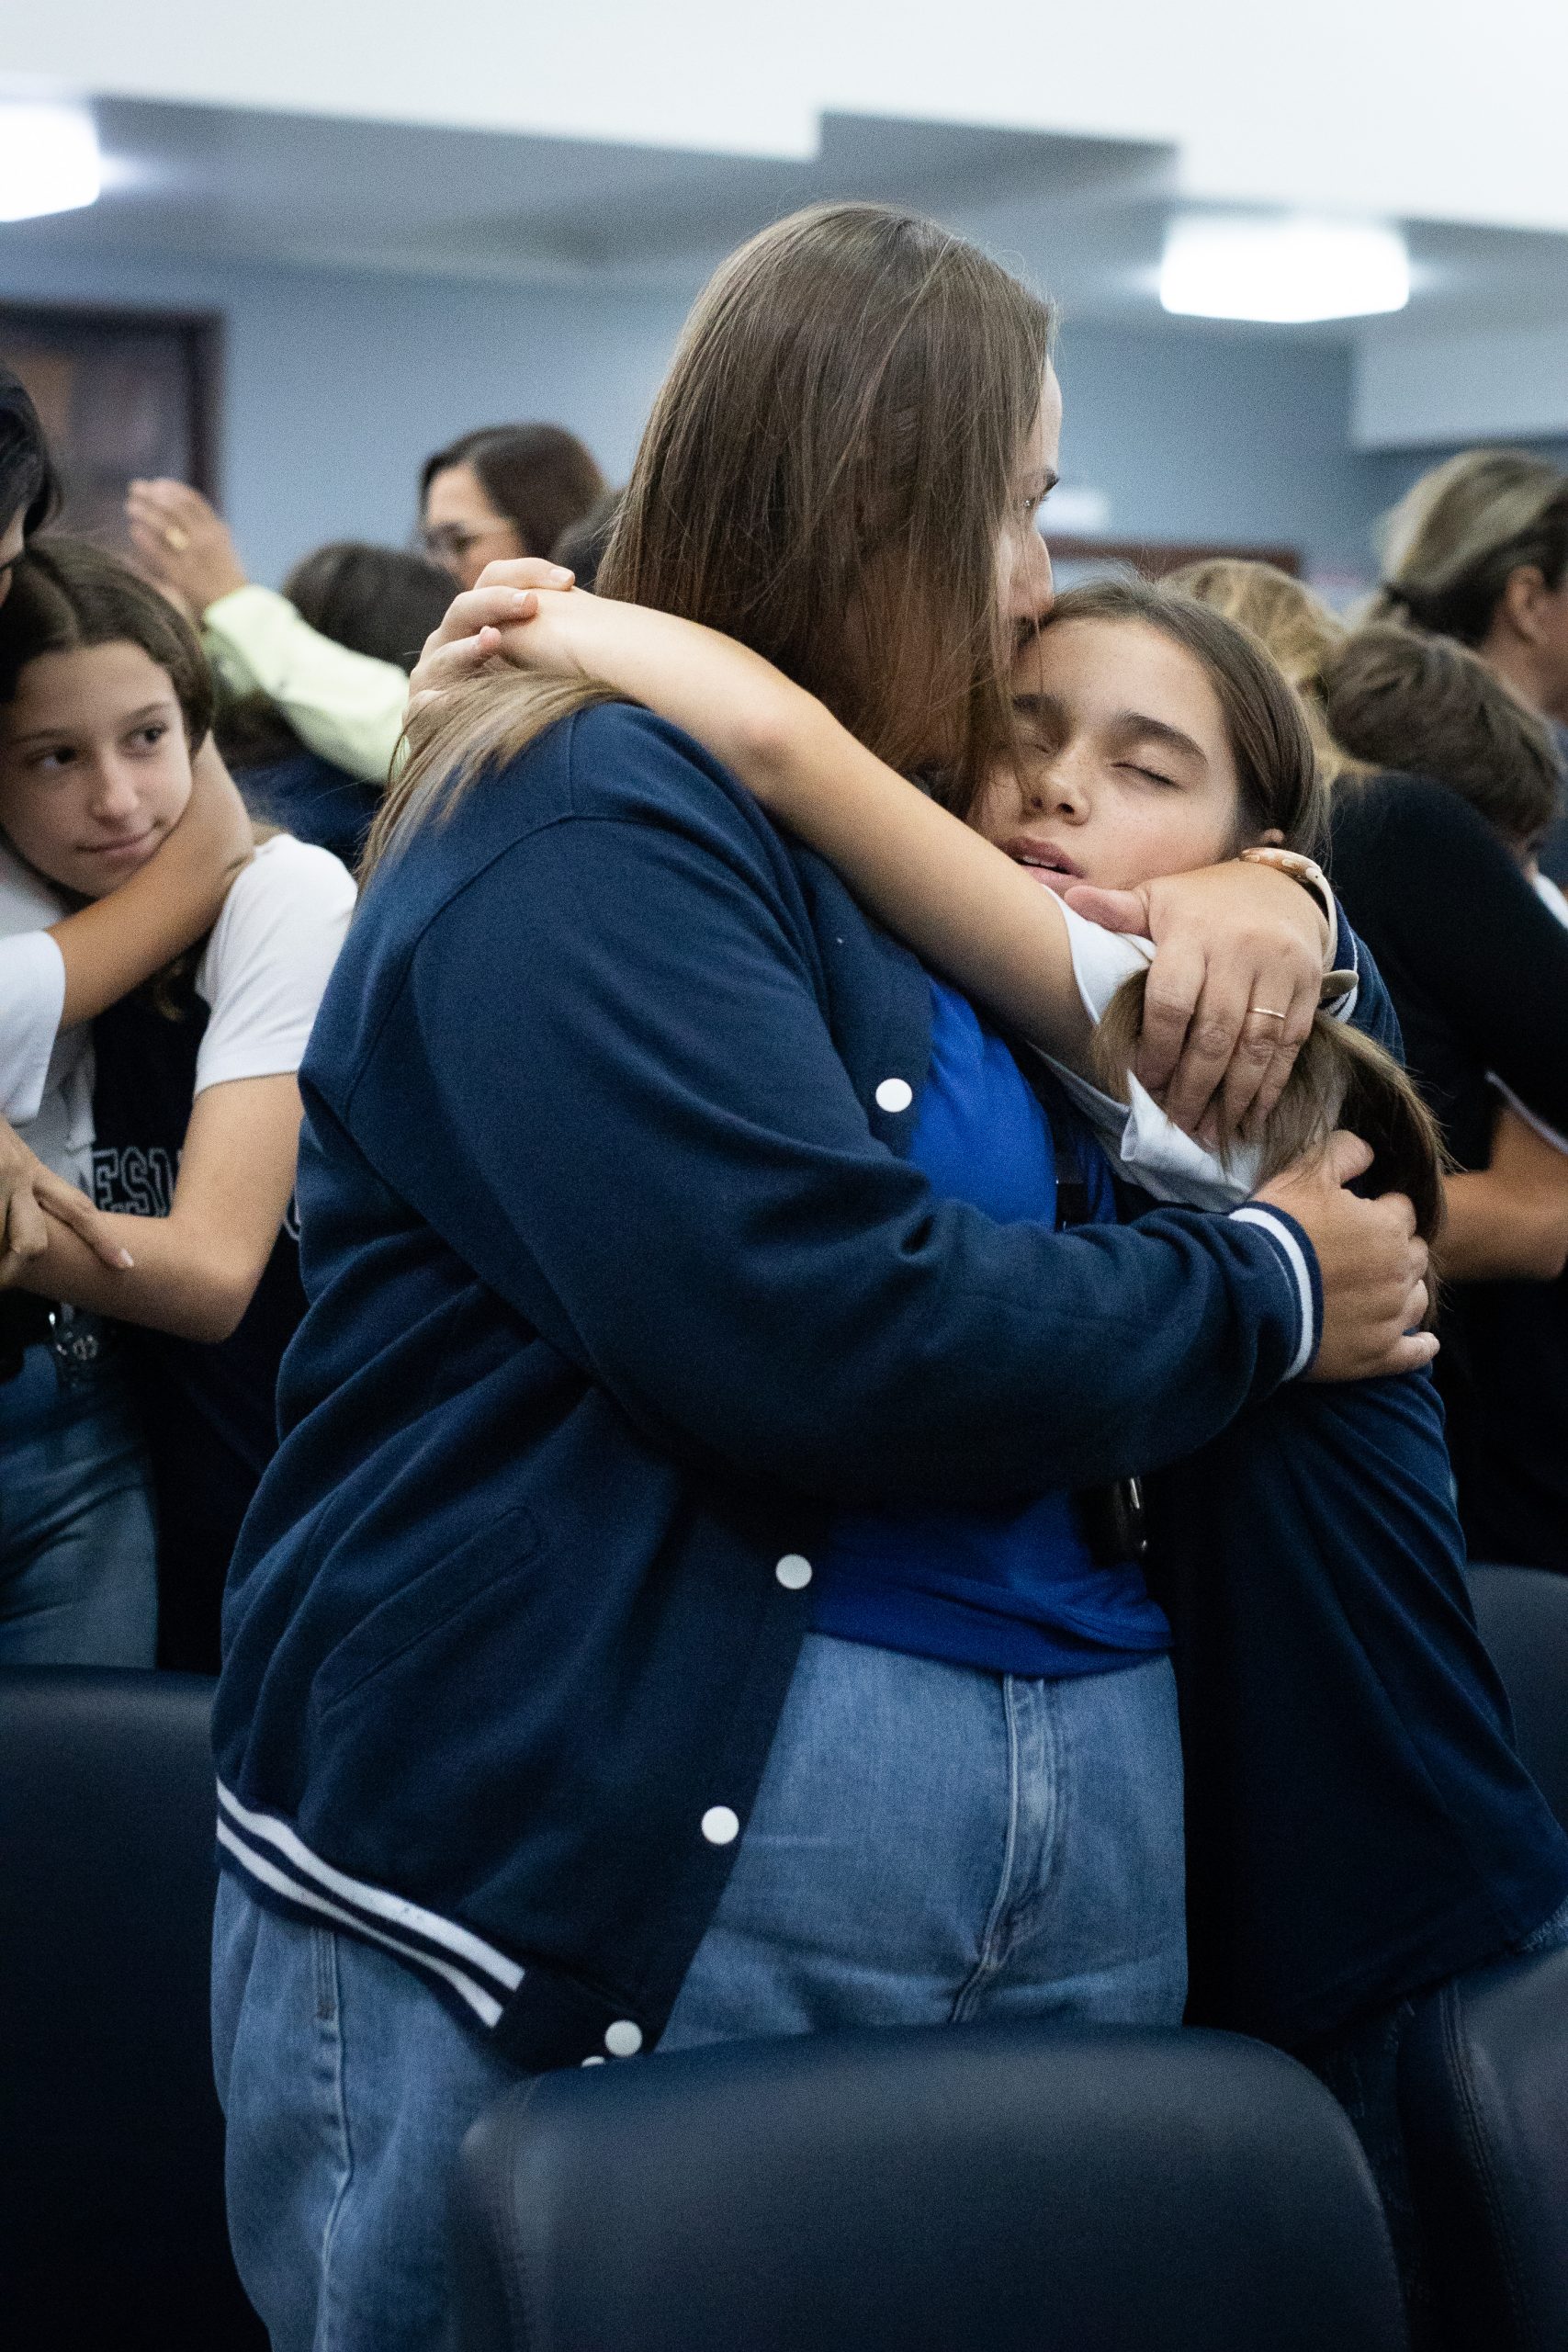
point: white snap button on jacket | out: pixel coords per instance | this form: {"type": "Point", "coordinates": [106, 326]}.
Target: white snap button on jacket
{"type": "Point", "coordinates": [720, 1826]}
{"type": "Point", "coordinates": [624, 2038]}
{"type": "Point", "coordinates": [792, 1572]}
{"type": "Point", "coordinates": [894, 1094]}
{"type": "Point", "coordinates": [595, 2061]}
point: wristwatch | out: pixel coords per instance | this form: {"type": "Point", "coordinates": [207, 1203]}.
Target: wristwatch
{"type": "Point", "coordinates": [1311, 876]}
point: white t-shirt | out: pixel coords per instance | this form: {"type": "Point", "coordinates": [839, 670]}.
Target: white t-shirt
{"type": "Point", "coordinates": [46, 1079]}
{"type": "Point", "coordinates": [262, 972]}
{"type": "Point", "coordinates": [269, 959]}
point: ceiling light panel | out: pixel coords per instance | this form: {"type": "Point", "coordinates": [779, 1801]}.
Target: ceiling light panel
{"type": "Point", "coordinates": [1282, 270]}
{"type": "Point", "coordinates": [49, 159]}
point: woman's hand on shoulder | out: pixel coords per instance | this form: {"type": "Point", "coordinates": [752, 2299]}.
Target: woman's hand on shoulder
{"type": "Point", "coordinates": [470, 634]}
{"type": "Point", "coordinates": [1232, 991]}
{"type": "Point", "coordinates": [1371, 1264]}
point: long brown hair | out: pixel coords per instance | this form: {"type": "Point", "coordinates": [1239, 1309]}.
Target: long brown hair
{"type": "Point", "coordinates": [825, 477]}
{"type": "Point", "coordinates": [1340, 1078]}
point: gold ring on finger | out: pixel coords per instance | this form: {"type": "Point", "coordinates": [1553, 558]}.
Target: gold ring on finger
{"type": "Point", "coordinates": [1268, 1014]}
{"type": "Point", "coordinates": [177, 538]}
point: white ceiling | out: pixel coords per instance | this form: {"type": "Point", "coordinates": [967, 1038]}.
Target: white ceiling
{"type": "Point", "coordinates": [1426, 108]}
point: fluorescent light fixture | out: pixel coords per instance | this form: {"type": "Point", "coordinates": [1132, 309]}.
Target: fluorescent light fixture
{"type": "Point", "coordinates": [49, 159]}
{"type": "Point", "coordinates": [1284, 270]}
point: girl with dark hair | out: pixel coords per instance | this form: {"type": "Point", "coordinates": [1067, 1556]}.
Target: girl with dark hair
{"type": "Point", "coordinates": [1446, 784]}
{"type": "Point", "coordinates": [382, 601]}
{"type": "Point", "coordinates": [30, 488]}
{"type": "Point", "coordinates": [76, 1565]}
{"type": "Point", "coordinates": [503, 491]}
{"type": "Point", "coordinates": [190, 1125]}
{"type": "Point", "coordinates": [661, 1215]}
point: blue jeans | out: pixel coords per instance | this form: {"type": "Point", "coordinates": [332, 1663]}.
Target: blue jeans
{"type": "Point", "coordinates": [928, 1843]}
{"type": "Point", "coordinates": [78, 1542]}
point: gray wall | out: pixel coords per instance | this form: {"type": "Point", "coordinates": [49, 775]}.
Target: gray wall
{"type": "Point", "coordinates": [339, 383]}
{"type": "Point", "coordinates": [1196, 435]}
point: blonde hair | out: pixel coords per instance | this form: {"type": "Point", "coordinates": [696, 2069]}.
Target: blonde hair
{"type": "Point", "coordinates": [826, 475]}
{"type": "Point", "coordinates": [1293, 626]}
{"type": "Point", "coordinates": [1454, 540]}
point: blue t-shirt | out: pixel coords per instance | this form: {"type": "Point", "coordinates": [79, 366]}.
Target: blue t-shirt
{"type": "Point", "coordinates": [1013, 1588]}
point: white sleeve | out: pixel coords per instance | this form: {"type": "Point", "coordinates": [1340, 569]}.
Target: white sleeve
{"type": "Point", "coordinates": [1148, 1146]}
{"type": "Point", "coordinates": [1103, 960]}
{"type": "Point", "coordinates": [32, 998]}
{"type": "Point", "coordinates": [268, 961]}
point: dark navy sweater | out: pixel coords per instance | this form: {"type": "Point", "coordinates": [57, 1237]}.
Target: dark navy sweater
{"type": "Point", "coordinates": [618, 1282]}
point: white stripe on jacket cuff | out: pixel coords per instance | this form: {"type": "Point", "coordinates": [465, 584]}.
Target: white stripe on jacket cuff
{"type": "Point", "coordinates": [1290, 1249]}
{"type": "Point", "coordinates": [484, 2005]}
{"type": "Point", "coordinates": [376, 1905]}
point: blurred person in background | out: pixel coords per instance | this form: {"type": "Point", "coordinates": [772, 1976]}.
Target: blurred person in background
{"type": "Point", "coordinates": [506, 490]}
{"type": "Point", "coordinates": [1445, 783]}
{"type": "Point", "coordinates": [346, 706]}
{"type": "Point", "coordinates": [1433, 861]}
{"type": "Point", "coordinates": [581, 547]}
{"type": "Point", "coordinates": [1478, 550]}
{"type": "Point", "coordinates": [377, 600]}
{"type": "Point", "coordinates": [503, 491]}
{"type": "Point", "coordinates": [30, 488]}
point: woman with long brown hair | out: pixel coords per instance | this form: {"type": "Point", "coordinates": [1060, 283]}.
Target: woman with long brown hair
{"type": "Point", "coordinates": [659, 1213]}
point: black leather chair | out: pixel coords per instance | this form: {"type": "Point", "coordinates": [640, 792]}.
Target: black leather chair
{"type": "Point", "coordinates": [111, 2149]}
{"type": "Point", "coordinates": [980, 2190]}
{"type": "Point", "coordinates": [1483, 2091]}
{"type": "Point", "coordinates": [1523, 1617]}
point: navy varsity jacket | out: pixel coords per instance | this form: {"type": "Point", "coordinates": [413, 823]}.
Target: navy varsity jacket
{"type": "Point", "coordinates": [618, 1282]}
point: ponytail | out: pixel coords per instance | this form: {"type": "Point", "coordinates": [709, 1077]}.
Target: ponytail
{"type": "Point", "coordinates": [1340, 1079]}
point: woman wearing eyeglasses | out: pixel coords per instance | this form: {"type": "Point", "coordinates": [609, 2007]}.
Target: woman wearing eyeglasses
{"type": "Point", "coordinates": [507, 489]}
